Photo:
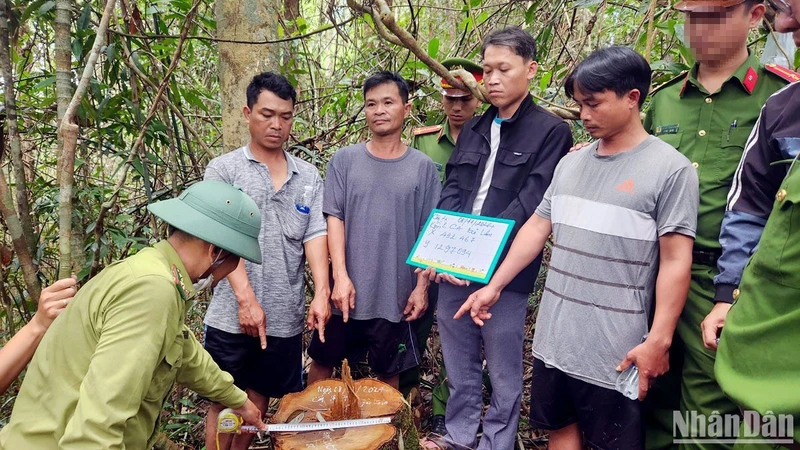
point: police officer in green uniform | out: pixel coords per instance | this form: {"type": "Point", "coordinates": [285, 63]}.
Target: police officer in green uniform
{"type": "Point", "coordinates": [104, 368]}
{"type": "Point", "coordinates": [438, 142]}
{"type": "Point", "coordinates": [707, 115]}
{"type": "Point", "coordinates": [757, 360]}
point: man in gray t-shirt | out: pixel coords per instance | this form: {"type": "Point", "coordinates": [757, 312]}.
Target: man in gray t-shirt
{"type": "Point", "coordinates": [378, 196]}
{"type": "Point", "coordinates": [623, 213]}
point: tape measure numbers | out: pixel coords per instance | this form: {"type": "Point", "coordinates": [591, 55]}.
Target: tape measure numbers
{"type": "Point", "coordinates": [229, 422]}
{"type": "Point", "coordinates": [316, 426]}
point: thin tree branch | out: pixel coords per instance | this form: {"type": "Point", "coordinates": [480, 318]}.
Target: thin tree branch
{"type": "Point", "coordinates": [20, 226]}
{"type": "Point", "coordinates": [774, 37]}
{"type": "Point", "coordinates": [172, 107]}
{"type": "Point", "coordinates": [23, 206]}
{"type": "Point", "coordinates": [651, 26]}
{"type": "Point", "coordinates": [379, 28]}
{"type": "Point", "coordinates": [63, 63]}
{"type": "Point", "coordinates": [20, 245]}
{"type": "Point", "coordinates": [232, 41]}
{"type": "Point", "coordinates": [109, 204]}
{"type": "Point", "coordinates": [384, 15]}
{"type": "Point", "coordinates": [69, 132]}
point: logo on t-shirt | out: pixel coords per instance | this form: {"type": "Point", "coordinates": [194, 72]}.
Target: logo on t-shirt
{"type": "Point", "coordinates": [626, 186]}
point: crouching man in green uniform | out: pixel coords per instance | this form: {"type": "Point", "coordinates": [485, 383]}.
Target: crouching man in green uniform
{"type": "Point", "coordinates": [103, 370]}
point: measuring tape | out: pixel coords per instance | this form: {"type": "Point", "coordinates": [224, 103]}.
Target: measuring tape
{"type": "Point", "coordinates": [229, 422]}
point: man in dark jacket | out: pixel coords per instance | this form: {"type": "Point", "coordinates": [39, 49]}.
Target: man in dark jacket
{"type": "Point", "coordinates": [501, 167]}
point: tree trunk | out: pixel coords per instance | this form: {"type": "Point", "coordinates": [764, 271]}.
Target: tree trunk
{"type": "Point", "coordinates": [243, 20]}
{"type": "Point", "coordinates": [344, 399]}
{"type": "Point", "coordinates": [63, 58]}
{"type": "Point", "coordinates": [17, 217]}
{"type": "Point", "coordinates": [20, 245]}
{"type": "Point", "coordinates": [291, 9]}
{"type": "Point", "coordinates": [21, 189]}
{"type": "Point", "coordinates": [68, 131]}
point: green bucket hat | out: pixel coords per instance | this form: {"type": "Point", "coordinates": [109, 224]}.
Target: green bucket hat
{"type": "Point", "coordinates": [217, 213]}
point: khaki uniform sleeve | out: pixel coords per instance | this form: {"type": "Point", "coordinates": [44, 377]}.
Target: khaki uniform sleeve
{"type": "Point", "coordinates": [201, 374]}
{"type": "Point", "coordinates": [133, 324]}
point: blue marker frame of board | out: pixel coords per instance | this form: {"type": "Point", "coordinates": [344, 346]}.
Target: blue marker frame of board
{"type": "Point", "coordinates": [456, 273]}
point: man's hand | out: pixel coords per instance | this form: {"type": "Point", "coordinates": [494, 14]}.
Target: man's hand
{"type": "Point", "coordinates": [251, 415]}
{"type": "Point", "coordinates": [53, 300]}
{"type": "Point", "coordinates": [713, 323]}
{"type": "Point", "coordinates": [344, 295]}
{"type": "Point", "coordinates": [652, 359]}
{"type": "Point", "coordinates": [451, 279]}
{"type": "Point", "coordinates": [579, 146]}
{"type": "Point", "coordinates": [429, 273]}
{"type": "Point", "coordinates": [319, 312]}
{"type": "Point", "coordinates": [435, 277]}
{"type": "Point", "coordinates": [252, 319]}
{"type": "Point", "coordinates": [478, 304]}
{"type": "Point", "coordinates": [417, 304]}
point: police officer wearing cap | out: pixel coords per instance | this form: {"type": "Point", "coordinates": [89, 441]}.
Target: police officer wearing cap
{"type": "Point", "coordinates": [438, 142]}
{"type": "Point", "coordinates": [108, 362]}
{"type": "Point", "coordinates": [707, 114]}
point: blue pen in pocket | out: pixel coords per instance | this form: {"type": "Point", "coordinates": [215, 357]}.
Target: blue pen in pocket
{"type": "Point", "coordinates": [733, 126]}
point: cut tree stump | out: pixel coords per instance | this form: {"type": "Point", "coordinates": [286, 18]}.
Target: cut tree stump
{"type": "Point", "coordinates": [345, 399]}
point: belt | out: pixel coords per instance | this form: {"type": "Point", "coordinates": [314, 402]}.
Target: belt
{"type": "Point", "coordinates": [706, 258]}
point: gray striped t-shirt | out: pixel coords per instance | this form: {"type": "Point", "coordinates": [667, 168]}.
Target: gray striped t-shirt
{"type": "Point", "coordinates": [607, 214]}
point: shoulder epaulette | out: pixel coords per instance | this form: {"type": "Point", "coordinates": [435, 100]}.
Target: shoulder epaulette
{"type": "Point", "coordinates": [787, 74]}
{"type": "Point", "coordinates": [678, 78]}
{"type": "Point", "coordinates": [426, 130]}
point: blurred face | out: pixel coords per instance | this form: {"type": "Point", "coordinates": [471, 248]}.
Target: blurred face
{"type": "Point", "coordinates": [506, 76]}
{"type": "Point", "coordinates": [269, 121]}
{"type": "Point", "coordinates": [788, 18]}
{"type": "Point", "coordinates": [385, 109]}
{"type": "Point", "coordinates": [459, 109]}
{"type": "Point", "coordinates": [604, 114]}
{"type": "Point", "coordinates": [715, 36]}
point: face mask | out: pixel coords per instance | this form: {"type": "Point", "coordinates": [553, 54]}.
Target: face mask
{"type": "Point", "coordinates": [204, 283]}
{"type": "Point", "coordinates": [207, 279]}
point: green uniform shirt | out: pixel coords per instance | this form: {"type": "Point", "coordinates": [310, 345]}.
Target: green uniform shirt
{"type": "Point", "coordinates": [711, 130]}
{"type": "Point", "coordinates": [437, 143]}
{"type": "Point", "coordinates": [757, 360]}
{"type": "Point", "coordinates": [104, 368]}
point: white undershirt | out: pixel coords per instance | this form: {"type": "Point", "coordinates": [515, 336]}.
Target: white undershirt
{"type": "Point", "coordinates": [488, 171]}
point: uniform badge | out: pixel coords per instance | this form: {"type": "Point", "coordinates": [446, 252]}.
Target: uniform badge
{"type": "Point", "coordinates": [789, 75]}
{"type": "Point", "coordinates": [667, 129]}
{"type": "Point", "coordinates": [176, 276]}
{"type": "Point", "coordinates": [750, 80]}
